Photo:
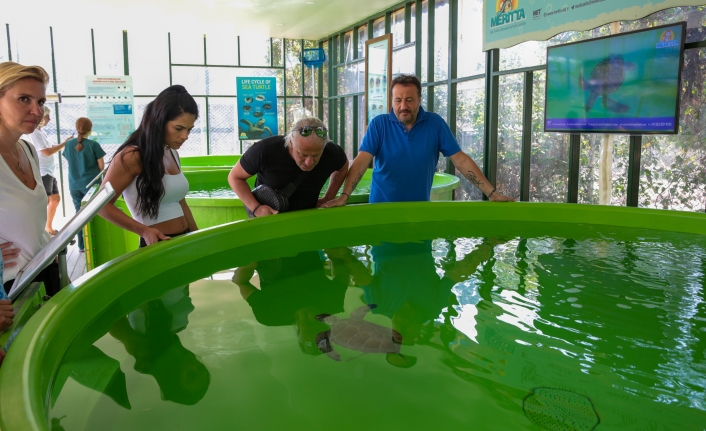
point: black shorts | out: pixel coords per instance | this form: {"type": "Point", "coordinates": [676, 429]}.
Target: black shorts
{"type": "Point", "coordinates": [50, 185]}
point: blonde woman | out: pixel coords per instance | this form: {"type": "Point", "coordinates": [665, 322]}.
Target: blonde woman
{"type": "Point", "coordinates": [23, 199]}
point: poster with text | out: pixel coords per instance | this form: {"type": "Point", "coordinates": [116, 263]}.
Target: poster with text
{"type": "Point", "coordinates": [257, 107]}
{"type": "Point", "coordinates": [509, 22]}
{"type": "Point", "coordinates": [378, 70]}
{"type": "Point", "coordinates": [109, 105]}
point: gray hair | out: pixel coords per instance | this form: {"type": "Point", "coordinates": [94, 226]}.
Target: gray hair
{"type": "Point", "coordinates": [306, 121]}
{"type": "Point", "coordinates": [47, 111]}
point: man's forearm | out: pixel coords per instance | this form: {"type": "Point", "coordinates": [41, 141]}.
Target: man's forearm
{"type": "Point", "coordinates": [52, 150]}
{"type": "Point", "coordinates": [355, 174]}
{"type": "Point", "coordinates": [242, 189]}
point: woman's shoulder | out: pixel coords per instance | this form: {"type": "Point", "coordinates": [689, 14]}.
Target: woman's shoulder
{"type": "Point", "coordinates": [130, 157]}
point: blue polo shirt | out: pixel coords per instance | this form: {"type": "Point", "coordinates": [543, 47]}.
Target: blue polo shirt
{"type": "Point", "coordinates": [405, 161]}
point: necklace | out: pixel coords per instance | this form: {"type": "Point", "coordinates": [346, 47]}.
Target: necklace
{"type": "Point", "coordinates": [17, 160]}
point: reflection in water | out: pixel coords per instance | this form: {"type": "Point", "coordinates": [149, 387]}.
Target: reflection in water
{"type": "Point", "coordinates": [150, 335]}
{"type": "Point", "coordinates": [294, 290]}
{"type": "Point", "coordinates": [521, 333]}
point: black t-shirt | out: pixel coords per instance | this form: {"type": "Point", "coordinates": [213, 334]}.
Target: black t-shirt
{"type": "Point", "coordinates": [270, 160]}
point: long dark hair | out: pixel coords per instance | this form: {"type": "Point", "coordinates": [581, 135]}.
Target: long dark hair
{"type": "Point", "coordinates": [149, 142]}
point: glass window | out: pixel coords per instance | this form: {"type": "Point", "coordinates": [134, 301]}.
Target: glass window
{"type": "Point", "coordinates": [403, 61]}
{"type": "Point", "coordinates": [470, 129]}
{"type": "Point", "coordinates": [295, 111]}
{"type": "Point", "coordinates": [379, 27]}
{"type": "Point", "coordinates": [32, 46]}
{"type": "Point", "coordinates": [672, 175]}
{"type": "Point", "coordinates": [425, 40]}
{"type": "Point", "coordinates": [109, 52]}
{"type": "Point", "coordinates": [308, 83]}
{"type": "Point", "coordinates": [510, 134]}
{"type": "Point", "coordinates": [222, 119]}
{"type": "Point", "coordinates": [589, 184]}
{"type": "Point", "coordinates": [149, 62]}
{"type": "Point", "coordinates": [549, 160]}
{"type": "Point", "coordinates": [4, 55]}
{"type": "Point", "coordinates": [413, 25]}
{"type": "Point", "coordinates": [74, 59]}
{"type": "Point", "coordinates": [324, 80]}
{"type": "Point", "coordinates": [348, 142]}
{"type": "Point", "coordinates": [362, 37]}
{"type": "Point", "coordinates": [441, 40]}
{"type": "Point", "coordinates": [361, 120]}
{"type": "Point", "coordinates": [441, 107]}
{"type": "Point", "coordinates": [196, 145]}
{"type": "Point", "coordinates": [277, 53]}
{"type": "Point", "coordinates": [470, 55]}
{"type": "Point", "coordinates": [222, 47]}
{"type": "Point", "coordinates": [187, 47]}
{"type": "Point", "coordinates": [348, 46]}
{"type": "Point", "coordinates": [398, 28]}
{"type": "Point", "coordinates": [254, 51]}
{"type": "Point", "coordinates": [193, 78]}
{"type": "Point", "coordinates": [294, 67]}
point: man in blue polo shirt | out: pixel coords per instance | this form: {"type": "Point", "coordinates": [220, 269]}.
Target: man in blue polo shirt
{"type": "Point", "coordinates": [405, 145]}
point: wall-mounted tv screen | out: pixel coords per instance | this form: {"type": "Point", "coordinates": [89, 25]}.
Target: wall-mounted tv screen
{"type": "Point", "coordinates": [625, 83]}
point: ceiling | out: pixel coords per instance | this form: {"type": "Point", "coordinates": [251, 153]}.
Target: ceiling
{"type": "Point", "coordinates": [296, 19]}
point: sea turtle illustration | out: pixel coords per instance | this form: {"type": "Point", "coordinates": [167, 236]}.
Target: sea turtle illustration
{"type": "Point", "coordinates": [606, 77]}
{"type": "Point", "coordinates": [357, 334]}
{"type": "Point", "coordinates": [505, 6]}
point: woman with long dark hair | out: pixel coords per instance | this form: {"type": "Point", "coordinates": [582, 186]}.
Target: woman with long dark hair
{"type": "Point", "coordinates": [147, 172]}
{"type": "Point", "coordinates": [85, 159]}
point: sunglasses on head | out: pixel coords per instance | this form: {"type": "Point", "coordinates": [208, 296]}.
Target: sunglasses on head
{"type": "Point", "coordinates": [306, 131]}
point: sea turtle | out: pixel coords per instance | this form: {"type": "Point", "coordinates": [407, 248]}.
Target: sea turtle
{"type": "Point", "coordinates": [357, 334]}
{"type": "Point", "coordinates": [606, 77]}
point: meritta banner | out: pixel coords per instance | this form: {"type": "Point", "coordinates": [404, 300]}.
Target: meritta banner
{"type": "Point", "coordinates": [509, 22]}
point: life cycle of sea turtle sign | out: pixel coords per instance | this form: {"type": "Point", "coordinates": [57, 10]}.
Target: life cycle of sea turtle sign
{"type": "Point", "coordinates": [257, 107]}
{"type": "Point", "coordinates": [509, 22]}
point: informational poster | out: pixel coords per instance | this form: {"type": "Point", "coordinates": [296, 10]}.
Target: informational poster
{"type": "Point", "coordinates": [378, 69]}
{"type": "Point", "coordinates": [109, 105]}
{"type": "Point", "coordinates": [257, 107]}
{"type": "Point", "coordinates": [509, 22]}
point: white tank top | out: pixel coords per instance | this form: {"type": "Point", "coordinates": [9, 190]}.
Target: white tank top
{"type": "Point", "coordinates": [23, 214]}
{"type": "Point", "coordinates": [175, 189]}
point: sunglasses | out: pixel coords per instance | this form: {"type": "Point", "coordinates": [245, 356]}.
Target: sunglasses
{"type": "Point", "coordinates": [306, 131]}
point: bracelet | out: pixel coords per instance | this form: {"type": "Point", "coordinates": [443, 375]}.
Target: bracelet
{"type": "Point", "coordinates": [253, 211]}
{"type": "Point", "coordinates": [344, 193]}
{"type": "Point", "coordinates": [491, 193]}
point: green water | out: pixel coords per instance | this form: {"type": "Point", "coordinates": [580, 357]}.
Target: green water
{"type": "Point", "coordinates": [227, 192]}
{"type": "Point", "coordinates": [604, 330]}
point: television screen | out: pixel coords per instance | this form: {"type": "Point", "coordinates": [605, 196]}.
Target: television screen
{"type": "Point", "coordinates": [625, 83]}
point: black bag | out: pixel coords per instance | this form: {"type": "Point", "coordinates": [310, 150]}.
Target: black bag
{"type": "Point", "coordinates": [273, 198]}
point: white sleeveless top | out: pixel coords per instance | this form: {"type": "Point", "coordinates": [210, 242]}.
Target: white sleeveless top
{"type": "Point", "coordinates": [175, 189]}
{"type": "Point", "coordinates": [23, 214]}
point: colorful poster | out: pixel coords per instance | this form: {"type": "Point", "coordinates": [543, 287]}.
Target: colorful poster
{"type": "Point", "coordinates": [109, 105]}
{"type": "Point", "coordinates": [378, 68]}
{"type": "Point", "coordinates": [509, 22]}
{"type": "Point", "coordinates": [257, 107]}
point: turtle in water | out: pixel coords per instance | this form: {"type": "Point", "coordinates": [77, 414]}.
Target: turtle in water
{"type": "Point", "coordinates": [606, 77]}
{"type": "Point", "coordinates": [357, 334]}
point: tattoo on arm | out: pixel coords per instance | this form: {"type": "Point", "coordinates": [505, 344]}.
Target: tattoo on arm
{"type": "Point", "coordinates": [356, 181]}
{"type": "Point", "coordinates": [473, 179]}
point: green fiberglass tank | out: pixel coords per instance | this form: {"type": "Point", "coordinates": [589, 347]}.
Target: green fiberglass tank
{"type": "Point", "coordinates": [212, 202]}
{"type": "Point", "coordinates": [433, 315]}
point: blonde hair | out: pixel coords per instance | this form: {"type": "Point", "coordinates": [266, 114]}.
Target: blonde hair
{"type": "Point", "coordinates": [11, 73]}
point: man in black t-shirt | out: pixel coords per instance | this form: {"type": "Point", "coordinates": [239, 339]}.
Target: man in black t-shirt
{"type": "Point", "coordinates": [279, 160]}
